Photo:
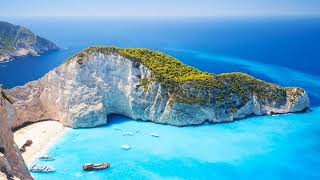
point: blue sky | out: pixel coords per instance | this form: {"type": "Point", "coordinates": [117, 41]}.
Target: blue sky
{"type": "Point", "coordinates": [159, 7]}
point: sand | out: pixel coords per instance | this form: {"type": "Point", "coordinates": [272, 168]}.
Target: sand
{"type": "Point", "coordinates": [43, 134]}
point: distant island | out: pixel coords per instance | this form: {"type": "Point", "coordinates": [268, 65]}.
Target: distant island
{"type": "Point", "coordinates": [17, 41]}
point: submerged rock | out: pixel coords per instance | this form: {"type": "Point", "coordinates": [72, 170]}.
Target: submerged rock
{"type": "Point", "coordinates": [146, 85]}
{"type": "Point", "coordinates": [17, 41]}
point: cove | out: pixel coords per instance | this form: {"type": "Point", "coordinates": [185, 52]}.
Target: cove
{"type": "Point", "coordinates": [266, 147]}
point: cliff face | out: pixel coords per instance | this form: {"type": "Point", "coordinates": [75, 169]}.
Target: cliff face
{"type": "Point", "coordinates": [16, 41]}
{"type": "Point", "coordinates": [11, 161]}
{"type": "Point", "coordinates": [96, 83]}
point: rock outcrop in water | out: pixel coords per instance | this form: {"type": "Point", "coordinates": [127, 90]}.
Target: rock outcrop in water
{"type": "Point", "coordinates": [17, 41]}
{"type": "Point", "coordinates": [11, 161]}
{"type": "Point", "coordinates": [149, 86]}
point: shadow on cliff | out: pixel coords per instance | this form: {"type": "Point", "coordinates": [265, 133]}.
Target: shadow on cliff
{"type": "Point", "coordinates": [29, 123]}
{"type": "Point", "coordinates": [116, 119]}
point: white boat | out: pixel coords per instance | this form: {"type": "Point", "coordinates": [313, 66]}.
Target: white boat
{"type": "Point", "coordinates": [116, 128]}
{"type": "Point", "coordinates": [41, 168]}
{"type": "Point", "coordinates": [154, 135]}
{"type": "Point", "coordinates": [128, 134]}
{"type": "Point", "coordinates": [46, 158]}
{"type": "Point", "coordinates": [125, 146]}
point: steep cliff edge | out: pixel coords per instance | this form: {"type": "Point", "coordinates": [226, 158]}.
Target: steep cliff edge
{"type": "Point", "coordinates": [146, 85]}
{"type": "Point", "coordinates": [16, 41]}
{"type": "Point", "coordinates": [11, 161]}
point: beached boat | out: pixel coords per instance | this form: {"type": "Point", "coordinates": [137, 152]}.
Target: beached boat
{"type": "Point", "coordinates": [125, 146]}
{"type": "Point", "coordinates": [26, 144]}
{"type": "Point", "coordinates": [46, 158]}
{"type": "Point", "coordinates": [95, 167]}
{"type": "Point", "coordinates": [41, 169]}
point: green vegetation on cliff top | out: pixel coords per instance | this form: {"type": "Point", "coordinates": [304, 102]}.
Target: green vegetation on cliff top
{"type": "Point", "coordinates": [166, 69]}
{"type": "Point", "coordinates": [178, 78]}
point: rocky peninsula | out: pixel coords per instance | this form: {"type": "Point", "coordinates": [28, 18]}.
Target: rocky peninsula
{"type": "Point", "coordinates": [146, 85]}
{"type": "Point", "coordinates": [17, 41]}
{"type": "Point", "coordinates": [139, 83]}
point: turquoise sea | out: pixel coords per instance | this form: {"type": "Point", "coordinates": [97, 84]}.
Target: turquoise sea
{"type": "Point", "coordinates": [281, 50]}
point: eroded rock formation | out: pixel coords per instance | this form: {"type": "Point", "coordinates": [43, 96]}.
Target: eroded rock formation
{"type": "Point", "coordinates": [11, 161]}
{"type": "Point", "coordinates": [101, 80]}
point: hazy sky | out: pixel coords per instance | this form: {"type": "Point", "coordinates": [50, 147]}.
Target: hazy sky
{"type": "Point", "coordinates": [159, 7]}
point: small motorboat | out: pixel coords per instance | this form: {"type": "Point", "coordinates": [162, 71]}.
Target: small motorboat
{"type": "Point", "coordinates": [125, 146]}
{"type": "Point", "coordinates": [95, 167]}
{"type": "Point", "coordinates": [128, 134]}
{"type": "Point", "coordinates": [154, 135]}
{"type": "Point", "coordinates": [46, 158]}
{"type": "Point", "coordinates": [41, 169]}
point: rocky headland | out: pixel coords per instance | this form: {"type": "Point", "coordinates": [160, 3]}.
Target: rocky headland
{"type": "Point", "coordinates": [146, 85]}
{"type": "Point", "coordinates": [139, 83]}
{"type": "Point", "coordinates": [17, 41]}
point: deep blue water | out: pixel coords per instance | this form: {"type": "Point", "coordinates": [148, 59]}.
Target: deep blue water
{"type": "Point", "coordinates": [280, 50]}
{"type": "Point", "coordinates": [213, 45]}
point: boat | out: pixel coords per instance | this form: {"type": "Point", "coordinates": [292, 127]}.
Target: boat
{"type": "Point", "coordinates": [125, 146]}
{"type": "Point", "coordinates": [116, 128]}
{"type": "Point", "coordinates": [95, 167]}
{"type": "Point", "coordinates": [154, 135]}
{"type": "Point", "coordinates": [41, 169]}
{"type": "Point", "coordinates": [46, 158]}
{"type": "Point", "coordinates": [128, 134]}
{"type": "Point", "coordinates": [26, 144]}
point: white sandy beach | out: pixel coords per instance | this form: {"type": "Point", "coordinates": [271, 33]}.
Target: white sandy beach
{"type": "Point", "coordinates": [43, 135]}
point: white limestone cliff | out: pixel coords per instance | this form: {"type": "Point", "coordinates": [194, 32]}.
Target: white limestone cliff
{"type": "Point", "coordinates": [84, 94]}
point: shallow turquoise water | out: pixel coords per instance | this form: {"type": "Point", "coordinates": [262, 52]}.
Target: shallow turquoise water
{"type": "Point", "coordinates": [269, 147]}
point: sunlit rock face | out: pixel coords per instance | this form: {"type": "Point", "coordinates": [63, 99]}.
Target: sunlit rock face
{"type": "Point", "coordinates": [11, 161]}
{"type": "Point", "coordinates": [82, 94]}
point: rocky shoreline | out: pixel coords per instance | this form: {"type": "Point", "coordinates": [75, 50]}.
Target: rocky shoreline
{"type": "Point", "coordinates": [12, 164]}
